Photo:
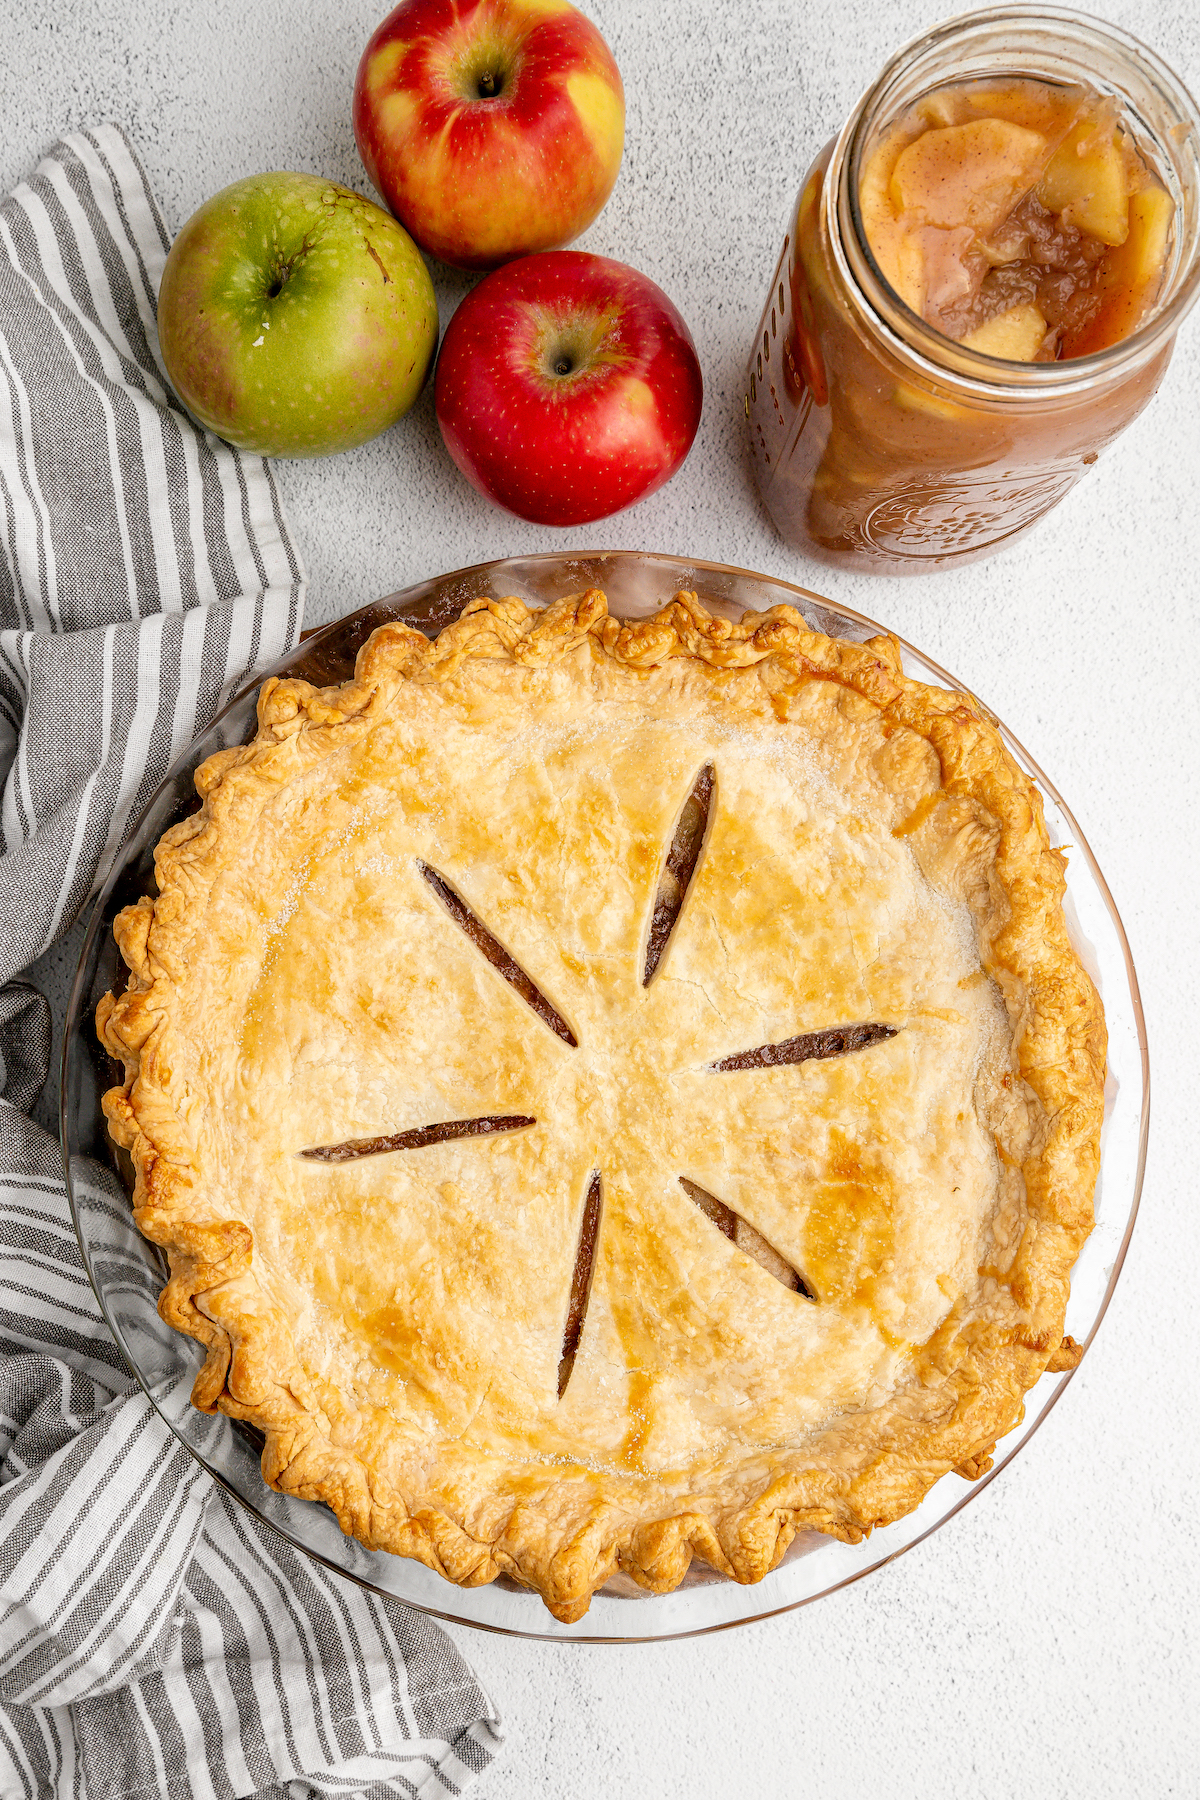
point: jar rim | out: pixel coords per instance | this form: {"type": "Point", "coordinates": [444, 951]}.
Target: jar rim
{"type": "Point", "coordinates": [920, 345]}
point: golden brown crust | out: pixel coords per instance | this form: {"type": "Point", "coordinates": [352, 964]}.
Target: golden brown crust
{"type": "Point", "coordinates": [563, 1526]}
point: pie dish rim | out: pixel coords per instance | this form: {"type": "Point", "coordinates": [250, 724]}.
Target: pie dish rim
{"type": "Point", "coordinates": [927, 669]}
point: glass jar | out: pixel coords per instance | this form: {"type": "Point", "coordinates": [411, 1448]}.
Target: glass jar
{"type": "Point", "coordinates": [877, 443]}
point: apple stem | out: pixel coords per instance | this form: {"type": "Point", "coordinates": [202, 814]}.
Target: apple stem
{"type": "Point", "coordinates": [490, 84]}
{"type": "Point", "coordinates": [563, 366]}
{"type": "Point", "coordinates": [277, 286]}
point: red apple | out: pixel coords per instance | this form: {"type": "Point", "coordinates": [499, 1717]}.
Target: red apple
{"type": "Point", "coordinates": [492, 128]}
{"type": "Point", "coordinates": [567, 387]}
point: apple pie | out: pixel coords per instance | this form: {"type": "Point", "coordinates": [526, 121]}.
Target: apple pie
{"type": "Point", "coordinates": [612, 1093]}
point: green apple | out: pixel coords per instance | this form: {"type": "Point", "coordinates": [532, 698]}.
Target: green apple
{"type": "Point", "coordinates": [295, 317]}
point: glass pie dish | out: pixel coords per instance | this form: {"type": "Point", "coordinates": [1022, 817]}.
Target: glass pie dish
{"type": "Point", "coordinates": [128, 1272]}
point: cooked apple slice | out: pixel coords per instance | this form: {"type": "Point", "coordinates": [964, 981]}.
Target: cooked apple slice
{"type": "Point", "coordinates": [1145, 249]}
{"type": "Point", "coordinates": [918, 401]}
{"type": "Point", "coordinates": [970, 174]}
{"type": "Point", "coordinates": [1033, 104]}
{"type": "Point", "coordinates": [1131, 275]}
{"type": "Point", "coordinates": [1086, 181]}
{"type": "Point", "coordinates": [873, 195]}
{"type": "Point", "coordinates": [1016, 335]}
{"type": "Point", "coordinates": [900, 263]}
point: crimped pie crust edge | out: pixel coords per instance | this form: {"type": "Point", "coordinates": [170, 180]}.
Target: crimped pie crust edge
{"type": "Point", "coordinates": [983, 1371]}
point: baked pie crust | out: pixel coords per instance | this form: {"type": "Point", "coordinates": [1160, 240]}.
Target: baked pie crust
{"type": "Point", "coordinates": [560, 1192]}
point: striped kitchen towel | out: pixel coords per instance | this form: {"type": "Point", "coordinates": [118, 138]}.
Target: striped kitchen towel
{"type": "Point", "coordinates": [154, 1638]}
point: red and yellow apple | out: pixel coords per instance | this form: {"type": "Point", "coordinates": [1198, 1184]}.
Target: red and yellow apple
{"type": "Point", "coordinates": [492, 128]}
{"type": "Point", "coordinates": [295, 317]}
{"type": "Point", "coordinates": [567, 387]}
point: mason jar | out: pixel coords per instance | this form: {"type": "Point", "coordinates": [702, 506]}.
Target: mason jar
{"type": "Point", "coordinates": [878, 443]}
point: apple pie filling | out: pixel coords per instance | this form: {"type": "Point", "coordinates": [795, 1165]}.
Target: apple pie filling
{"type": "Point", "coordinates": [978, 291]}
{"type": "Point", "coordinates": [678, 869]}
{"type": "Point", "coordinates": [739, 1232]}
{"type": "Point", "coordinates": [497, 955]}
{"type": "Point", "coordinates": [441, 1133]}
{"type": "Point", "coordinates": [1019, 218]}
{"type": "Point", "coordinates": [581, 1280]}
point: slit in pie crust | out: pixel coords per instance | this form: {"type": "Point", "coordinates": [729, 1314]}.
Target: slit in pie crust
{"type": "Point", "coordinates": [612, 1093]}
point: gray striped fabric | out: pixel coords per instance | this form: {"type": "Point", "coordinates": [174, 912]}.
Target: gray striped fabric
{"type": "Point", "coordinates": [155, 1638]}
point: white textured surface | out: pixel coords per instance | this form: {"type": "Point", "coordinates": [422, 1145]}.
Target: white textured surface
{"type": "Point", "coordinates": [1044, 1643]}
